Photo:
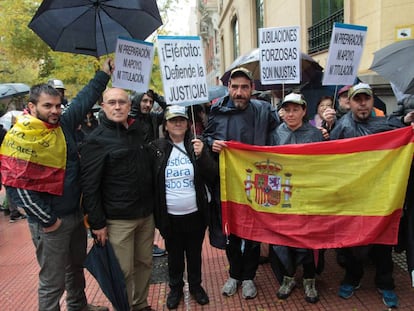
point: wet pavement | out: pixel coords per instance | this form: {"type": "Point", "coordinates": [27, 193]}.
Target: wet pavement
{"type": "Point", "coordinates": [19, 269]}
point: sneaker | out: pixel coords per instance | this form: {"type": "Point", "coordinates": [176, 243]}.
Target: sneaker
{"type": "Point", "coordinates": [248, 289]}
{"type": "Point", "coordinates": [389, 298]}
{"type": "Point", "coordinates": [311, 294]}
{"type": "Point", "coordinates": [286, 288]}
{"type": "Point", "coordinates": [230, 287]}
{"type": "Point", "coordinates": [346, 290]}
{"type": "Point", "coordinates": [16, 218]}
{"type": "Point", "coordinates": [158, 252]}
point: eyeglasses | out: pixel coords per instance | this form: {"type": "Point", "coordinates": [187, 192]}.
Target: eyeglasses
{"type": "Point", "coordinates": [121, 102]}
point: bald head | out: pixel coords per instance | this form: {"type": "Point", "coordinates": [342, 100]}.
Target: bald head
{"type": "Point", "coordinates": [116, 105]}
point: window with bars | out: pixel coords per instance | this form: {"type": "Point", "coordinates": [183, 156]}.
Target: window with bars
{"type": "Point", "coordinates": [259, 17]}
{"type": "Point", "coordinates": [236, 39]}
{"type": "Point", "coordinates": [324, 14]}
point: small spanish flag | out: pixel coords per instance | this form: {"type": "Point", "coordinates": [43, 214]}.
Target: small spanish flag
{"type": "Point", "coordinates": [33, 156]}
{"type": "Point", "coordinates": [320, 195]}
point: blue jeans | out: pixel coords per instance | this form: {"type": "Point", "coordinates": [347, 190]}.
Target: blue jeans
{"type": "Point", "coordinates": [60, 255]}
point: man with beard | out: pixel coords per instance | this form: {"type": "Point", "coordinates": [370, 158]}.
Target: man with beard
{"type": "Point", "coordinates": [359, 121]}
{"type": "Point", "coordinates": [149, 122]}
{"type": "Point", "coordinates": [40, 169]}
{"type": "Point", "coordinates": [240, 118]}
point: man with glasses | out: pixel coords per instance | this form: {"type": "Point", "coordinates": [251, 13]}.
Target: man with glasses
{"type": "Point", "coordinates": [117, 186]}
{"type": "Point", "coordinates": [43, 178]}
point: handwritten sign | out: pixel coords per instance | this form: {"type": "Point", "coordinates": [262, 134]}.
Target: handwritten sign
{"type": "Point", "coordinates": [345, 51]}
{"type": "Point", "coordinates": [183, 70]}
{"type": "Point", "coordinates": [133, 64]}
{"type": "Point", "coordinates": [279, 55]}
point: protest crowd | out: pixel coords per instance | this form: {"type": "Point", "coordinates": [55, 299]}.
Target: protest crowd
{"type": "Point", "coordinates": [237, 171]}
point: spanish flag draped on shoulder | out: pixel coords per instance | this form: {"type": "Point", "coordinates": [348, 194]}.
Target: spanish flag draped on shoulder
{"type": "Point", "coordinates": [320, 195]}
{"type": "Point", "coordinates": [33, 156]}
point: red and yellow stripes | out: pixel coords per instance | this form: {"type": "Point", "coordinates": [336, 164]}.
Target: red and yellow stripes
{"type": "Point", "coordinates": [33, 156]}
{"type": "Point", "coordinates": [320, 195]}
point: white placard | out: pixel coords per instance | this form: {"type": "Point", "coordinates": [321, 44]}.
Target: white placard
{"type": "Point", "coordinates": [133, 64]}
{"type": "Point", "coordinates": [279, 55]}
{"type": "Point", "coordinates": [183, 70]}
{"type": "Point", "coordinates": [345, 51]}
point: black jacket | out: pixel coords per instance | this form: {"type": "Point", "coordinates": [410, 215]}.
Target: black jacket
{"type": "Point", "coordinates": [148, 123]}
{"type": "Point", "coordinates": [116, 173]}
{"type": "Point", "coordinates": [307, 133]}
{"type": "Point", "coordinates": [348, 127]}
{"type": "Point", "coordinates": [205, 171]}
{"type": "Point", "coordinates": [250, 126]}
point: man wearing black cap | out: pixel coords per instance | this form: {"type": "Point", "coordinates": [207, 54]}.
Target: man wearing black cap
{"type": "Point", "coordinates": [240, 118]}
{"type": "Point", "coordinates": [359, 121]}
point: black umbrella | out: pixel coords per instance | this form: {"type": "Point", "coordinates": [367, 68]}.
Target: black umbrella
{"type": "Point", "coordinates": [102, 263]}
{"type": "Point", "coordinates": [92, 27]}
{"type": "Point", "coordinates": [394, 63]}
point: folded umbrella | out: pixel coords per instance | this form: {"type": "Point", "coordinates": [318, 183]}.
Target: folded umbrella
{"type": "Point", "coordinates": [102, 263]}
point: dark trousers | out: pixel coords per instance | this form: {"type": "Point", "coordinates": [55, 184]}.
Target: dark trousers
{"type": "Point", "coordinates": [243, 256]}
{"type": "Point", "coordinates": [353, 261]}
{"type": "Point", "coordinates": [184, 242]}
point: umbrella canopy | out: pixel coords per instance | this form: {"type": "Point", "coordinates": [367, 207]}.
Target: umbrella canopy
{"type": "Point", "coordinates": [9, 118]}
{"type": "Point", "coordinates": [102, 263]}
{"type": "Point", "coordinates": [310, 69]}
{"type": "Point", "coordinates": [217, 91]}
{"type": "Point", "coordinates": [92, 27]}
{"type": "Point", "coordinates": [395, 63]}
{"type": "Point", "coordinates": [13, 89]}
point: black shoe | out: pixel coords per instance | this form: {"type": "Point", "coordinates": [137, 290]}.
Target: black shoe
{"type": "Point", "coordinates": [174, 298]}
{"type": "Point", "coordinates": [200, 296]}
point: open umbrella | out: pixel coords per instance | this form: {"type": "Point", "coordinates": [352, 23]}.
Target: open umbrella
{"type": "Point", "coordinates": [7, 120]}
{"type": "Point", "coordinates": [92, 27]}
{"type": "Point", "coordinates": [217, 91]}
{"type": "Point", "coordinates": [310, 70]}
{"type": "Point", "coordinates": [395, 63]}
{"type": "Point", "coordinates": [102, 263]}
{"type": "Point", "coordinates": [13, 89]}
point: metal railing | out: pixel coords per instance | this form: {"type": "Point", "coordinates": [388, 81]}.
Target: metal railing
{"type": "Point", "coordinates": [319, 34]}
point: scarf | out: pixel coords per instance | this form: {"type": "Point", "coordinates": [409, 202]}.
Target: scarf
{"type": "Point", "coordinates": [33, 156]}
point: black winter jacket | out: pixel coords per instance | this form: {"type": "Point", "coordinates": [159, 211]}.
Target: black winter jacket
{"type": "Point", "coordinates": [348, 127]}
{"type": "Point", "coordinates": [205, 171]}
{"type": "Point", "coordinates": [116, 174]}
{"type": "Point", "coordinates": [307, 133]}
{"type": "Point", "coordinates": [250, 126]}
{"type": "Point", "coordinates": [148, 123]}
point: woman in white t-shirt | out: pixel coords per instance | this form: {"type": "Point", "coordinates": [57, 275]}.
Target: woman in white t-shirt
{"type": "Point", "coordinates": [182, 167]}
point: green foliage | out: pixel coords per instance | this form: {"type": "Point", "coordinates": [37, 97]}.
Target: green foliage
{"type": "Point", "coordinates": [25, 58]}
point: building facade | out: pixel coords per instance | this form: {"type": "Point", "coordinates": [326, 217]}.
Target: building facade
{"type": "Point", "coordinates": [233, 24]}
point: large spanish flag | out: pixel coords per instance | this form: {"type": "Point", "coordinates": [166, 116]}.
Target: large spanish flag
{"type": "Point", "coordinates": [33, 156]}
{"type": "Point", "coordinates": [320, 195]}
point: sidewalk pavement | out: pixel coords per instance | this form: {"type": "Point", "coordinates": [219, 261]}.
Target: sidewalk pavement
{"type": "Point", "coordinates": [19, 269]}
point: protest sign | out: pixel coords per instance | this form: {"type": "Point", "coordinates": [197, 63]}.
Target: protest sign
{"type": "Point", "coordinates": [183, 70]}
{"type": "Point", "coordinates": [345, 51]}
{"type": "Point", "coordinates": [133, 64]}
{"type": "Point", "coordinates": [279, 55]}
